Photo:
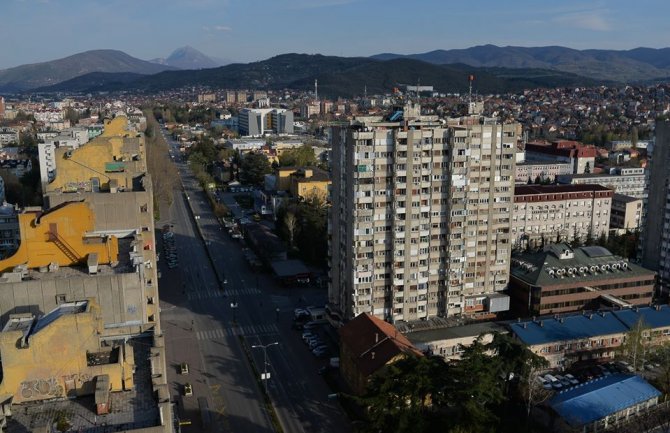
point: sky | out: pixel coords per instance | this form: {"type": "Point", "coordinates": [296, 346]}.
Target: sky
{"type": "Point", "coordinates": [248, 30]}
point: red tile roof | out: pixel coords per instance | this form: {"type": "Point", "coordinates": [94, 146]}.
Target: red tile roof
{"type": "Point", "coordinates": [374, 342]}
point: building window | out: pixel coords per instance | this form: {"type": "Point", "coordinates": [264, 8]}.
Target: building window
{"type": "Point", "coordinates": [60, 299]}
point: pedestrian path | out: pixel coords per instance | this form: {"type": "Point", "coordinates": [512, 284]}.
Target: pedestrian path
{"type": "Point", "coordinates": [248, 330]}
{"type": "Point", "coordinates": [211, 294]}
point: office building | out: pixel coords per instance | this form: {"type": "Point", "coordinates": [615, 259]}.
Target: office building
{"type": "Point", "coordinates": [529, 172]}
{"type": "Point", "coordinates": [560, 279]}
{"type": "Point", "coordinates": [581, 157]}
{"type": "Point", "coordinates": [655, 250]}
{"type": "Point", "coordinates": [627, 181]}
{"type": "Point", "coordinates": [256, 122]}
{"type": "Point", "coordinates": [420, 222]}
{"type": "Point", "coordinates": [544, 214]}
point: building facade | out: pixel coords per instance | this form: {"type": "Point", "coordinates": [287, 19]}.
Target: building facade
{"type": "Point", "coordinates": [626, 213]}
{"type": "Point", "coordinates": [256, 122]}
{"type": "Point", "coordinates": [627, 181]}
{"type": "Point", "coordinates": [655, 251]}
{"type": "Point", "coordinates": [560, 279]}
{"type": "Point", "coordinates": [420, 222]}
{"type": "Point", "coordinates": [528, 172]}
{"type": "Point", "coordinates": [544, 214]}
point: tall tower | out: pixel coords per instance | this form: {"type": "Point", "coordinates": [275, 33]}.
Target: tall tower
{"type": "Point", "coordinates": [656, 234]}
{"type": "Point", "coordinates": [420, 223]}
{"type": "Point", "coordinates": [316, 90]}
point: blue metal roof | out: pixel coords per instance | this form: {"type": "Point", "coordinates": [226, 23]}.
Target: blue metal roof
{"type": "Point", "coordinates": [549, 330]}
{"type": "Point", "coordinates": [593, 401]}
{"type": "Point", "coordinates": [651, 317]}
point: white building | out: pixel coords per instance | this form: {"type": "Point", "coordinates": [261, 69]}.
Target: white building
{"type": "Point", "coordinates": [626, 181]}
{"type": "Point", "coordinates": [9, 136]}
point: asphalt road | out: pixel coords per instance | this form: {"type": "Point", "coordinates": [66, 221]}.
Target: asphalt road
{"type": "Point", "coordinates": [213, 342]}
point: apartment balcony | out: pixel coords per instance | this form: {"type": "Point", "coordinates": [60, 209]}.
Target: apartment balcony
{"type": "Point", "coordinates": [398, 282]}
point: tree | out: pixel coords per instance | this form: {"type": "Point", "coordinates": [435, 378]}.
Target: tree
{"type": "Point", "coordinates": [302, 156]}
{"type": "Point", "coordinates": [291, 223]}
{"type": "Point", "coordinates": [254, 168]}
{"type": "Point", "coordinates": [402, 396]}
{"type": "Point", "coordinates": [634, 347]}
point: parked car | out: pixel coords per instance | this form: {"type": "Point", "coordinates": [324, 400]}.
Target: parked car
{"type": "Point", "coordinates": [555, 383]}
{"type": "Point", "coordinates": [545, 384]}
{"type": "Point", "coordinates": [573, 380]}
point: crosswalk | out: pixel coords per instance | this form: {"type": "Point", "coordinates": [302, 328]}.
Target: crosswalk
{"type": "Point", "coordinates": [248, 330]}
{"type": "Point", "coordinates": [212, 294]}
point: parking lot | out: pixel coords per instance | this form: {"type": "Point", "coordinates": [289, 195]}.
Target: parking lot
{"type": "Point", "coordinates": [585, 373]}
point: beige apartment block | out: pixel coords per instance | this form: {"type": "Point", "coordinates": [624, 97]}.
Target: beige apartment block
{"type": "Point", "coordinates": [420, 223]}
{"type": "Point", "coordinates": [545, 214]}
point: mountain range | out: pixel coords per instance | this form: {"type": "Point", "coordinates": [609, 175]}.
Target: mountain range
{"type": "Point", "coordinates": [337, 76]}
{"type": "Point", "coordinates": [498, 69]}
{"type": "Point", "coordinates": [638, 64]}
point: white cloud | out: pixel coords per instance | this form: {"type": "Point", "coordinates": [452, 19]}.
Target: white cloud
{"type": "Point", "coordinates": [591, 19]}
{"type": "Point", "coordinates": [211, 29]}
{"type": "Point", "coordinates": [313, 4]}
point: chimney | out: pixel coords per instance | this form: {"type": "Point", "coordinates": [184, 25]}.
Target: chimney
{"type": "Point", "coordinates": [372, 355]}
{"type": "Point", "coordinates": [376, 337]}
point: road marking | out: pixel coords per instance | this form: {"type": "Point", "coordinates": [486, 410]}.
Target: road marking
{"type": "Point", "coordinates": [246, 330]}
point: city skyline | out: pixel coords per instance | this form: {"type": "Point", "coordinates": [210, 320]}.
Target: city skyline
{"type": "Point", "coordinates": [250, 31]}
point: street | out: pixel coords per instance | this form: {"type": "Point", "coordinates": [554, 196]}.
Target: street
{"type": "Point", "coordinates": [213, 330]}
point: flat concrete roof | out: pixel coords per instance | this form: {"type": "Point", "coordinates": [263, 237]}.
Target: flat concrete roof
{"type": "Point", "coordinates": [129, 409]}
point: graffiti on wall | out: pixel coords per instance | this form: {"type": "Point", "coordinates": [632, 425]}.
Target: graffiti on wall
{"type": "Point", "coordinates": [41, 388]}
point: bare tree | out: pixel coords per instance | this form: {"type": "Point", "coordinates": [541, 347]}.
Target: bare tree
{"type": "Point", "coordinates": [291, 223]}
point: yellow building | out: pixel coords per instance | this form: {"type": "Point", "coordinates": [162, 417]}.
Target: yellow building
{"type": "Point", "coordinates": [309, 183]}
{"type": "Point", "coordinates": [60, 355]}
{"type": "Point", "coordinates": [109, 162]}
{"type": "Point", "coordinates": [62, 236]}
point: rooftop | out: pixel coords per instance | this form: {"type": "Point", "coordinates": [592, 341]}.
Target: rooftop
{"type": "Point", "coordinates": [374, 342]}
{"type": "Point", "coordinates": [473, 330]}
{"type": "Point", "coordinates": [130, 409]}
{"type": "Point", "coordinates": [582, 265]}
{"type": "Point", "coordinates": [654, 317]}
{"type": "Point", "coordinates": [594, 400]}
{"type": "Point", "coordinates": [565, 328]}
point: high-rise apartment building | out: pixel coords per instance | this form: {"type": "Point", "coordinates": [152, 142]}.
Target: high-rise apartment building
{"type": "Point", "coordinates": [255, 122]}
{"type": "Point", "coordinates": [420, 222]}
{"type": "Point", "coordinates": [656, 234]}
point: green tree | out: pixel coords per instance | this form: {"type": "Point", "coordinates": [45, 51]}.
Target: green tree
{"type": "Point", "coordinates": [254, 168]}
{"type": "Point", "coordinates": [302, 156]}
{"type": "Point", "coordinates": [402, 397]}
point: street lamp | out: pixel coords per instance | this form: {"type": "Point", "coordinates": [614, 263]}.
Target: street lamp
{"type": "Point", "coordinates": [265, 376]}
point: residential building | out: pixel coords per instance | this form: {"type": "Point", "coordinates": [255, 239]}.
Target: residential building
{"type": "Point", "coordinates": [368, 344]}
{"type": "Point", "coordinates": [73, 330]}
{"type": "Point", "coordinates": [231, 97]}
{"type": "Point", "coordinates": [582, 157]}
{"type": "Point", "coordinates": [9, 136]}
{"type": "Point", "coordinates": [3, 195]}
{"type": "Point", "coordinates": [256, 122]}
{"type": "Point", "coordinates": [10, 236]}
{"type": "Point", "coordinates": [560, 279]}
{"type": "Point", "coordinates": [544, 214]}
{"type": "Point", "coordinates": [655, 250]}
{"type": "Point", "coordinates": [206, 97]}
{"type": "Point", "coordinates": [450, 342]}
{"type": "Point", "coordinates": [626, 213]}
{"type": "Point", "coordinates": [244, 145]}
{"type": "Point", "coordinates": [602, 404]}
{"type": "Point", "coordinates": [592, 335]}
{"type": "Point", "coordinates": [420, 223]}
{"type": "Point", "coordinates": [309, 109]}
{"type": "Point", "coordinates": [310, 182]}
{"type": "Point", "coordinates": [528, 172]}
{"type": "Point", "coordinates": [564, 340]}
{"type": "Point", "coordinates": [2, 107]}
{"type": "Point", "coordinates": [626, 181]}
{"type": "Point", "coordinates": [18, 167]}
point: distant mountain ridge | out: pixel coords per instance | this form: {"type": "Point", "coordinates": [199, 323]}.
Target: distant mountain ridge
{"type": "Point", "coordinates": [337, 76]}
{"type": "Point", "coordinates": [26, 77]}
{"type": "Point", "coordinates": [638, 64]}
{"type": "Point", "coordinates": [189, 58]}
